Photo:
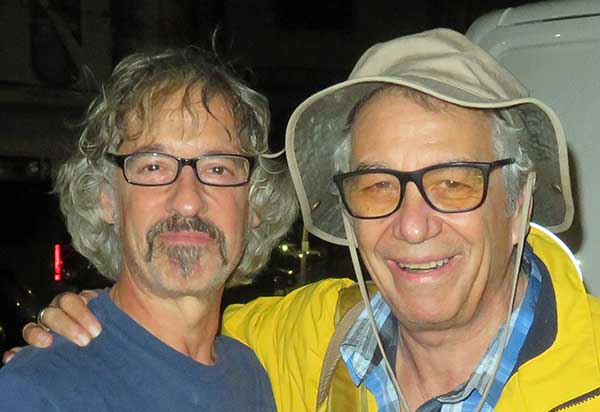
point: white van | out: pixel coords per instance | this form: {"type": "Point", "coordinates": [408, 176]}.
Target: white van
{"type": "Point", "coordinates": [554, 49]}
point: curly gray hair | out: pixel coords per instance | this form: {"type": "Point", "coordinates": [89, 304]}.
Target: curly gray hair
{"type": "Point", "coordinates": [138, 85]}
{"type": "Point", "coordinates": [506, 137]}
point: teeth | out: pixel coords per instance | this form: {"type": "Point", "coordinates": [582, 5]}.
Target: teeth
{"type": "Point", "coordinates": [426, 265]}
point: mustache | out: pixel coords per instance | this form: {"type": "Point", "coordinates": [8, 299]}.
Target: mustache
{"type": "Point", "coordinates": [178, 223]}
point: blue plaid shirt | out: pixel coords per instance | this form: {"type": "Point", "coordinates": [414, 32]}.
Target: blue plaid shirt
{"type": "Point", "coordinates": [365, 363]}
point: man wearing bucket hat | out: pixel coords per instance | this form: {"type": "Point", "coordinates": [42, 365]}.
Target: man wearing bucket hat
{"type": "Point", "coordinates": [425, 160]}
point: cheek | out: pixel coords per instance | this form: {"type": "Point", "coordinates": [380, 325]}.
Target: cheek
{"type": "Point", "coordinates": [469, 228]}
{"type": "Point", "coordinates": [371, 235]}
{"type": "Point", "coordinates": [139, 211]}
{"type": "Point", "coordinates": [484, 233]}
{"type": "Point", "coordinates": [497, 226]}
{"type": "Point", "coordinates": [231, 213]}
{"type": "Point", "coordinates": [364, 234]}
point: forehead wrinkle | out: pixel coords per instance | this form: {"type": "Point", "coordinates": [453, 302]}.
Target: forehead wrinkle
{"type": "Point", "coordinates": [364, 155]}
{"type": "Point", "coordinates": [186, 105]}
{"type": "Point", "coordinates": [154, 139]}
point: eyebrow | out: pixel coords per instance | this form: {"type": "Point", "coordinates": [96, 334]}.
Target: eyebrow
{"type": "Point", "coordinates": [159, 148]}
{"type": "Point", "coordinates": [155, 147]}
{"type": "Point", "coordinates": [384, 165]}
{"type": "Point", "coordinates": [367, 166]}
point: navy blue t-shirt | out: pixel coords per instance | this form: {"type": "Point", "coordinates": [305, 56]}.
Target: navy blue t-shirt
{"type": "Point", "coordinates": [128, 369]}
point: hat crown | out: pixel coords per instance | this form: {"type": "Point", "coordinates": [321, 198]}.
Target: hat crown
{"type": "Point", "coordinates": [444, 56]}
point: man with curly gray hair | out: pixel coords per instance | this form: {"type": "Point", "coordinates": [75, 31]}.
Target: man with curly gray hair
{"type": "Point", "coordinates": [171, 237]}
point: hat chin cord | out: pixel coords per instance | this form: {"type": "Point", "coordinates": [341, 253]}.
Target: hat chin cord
{"type": "Point", "coordinates": [523, 226]}
{"type": "Point", "coordinates": [365, 296]}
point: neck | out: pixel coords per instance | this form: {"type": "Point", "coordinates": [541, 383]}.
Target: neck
{"type": "Point", "coordinates": [188, 324]}
{"type": "Point", "coordinates": [430, 363]}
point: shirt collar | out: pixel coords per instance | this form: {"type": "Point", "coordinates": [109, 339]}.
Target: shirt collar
{"type": "Point", "coordinates": [359, 347]}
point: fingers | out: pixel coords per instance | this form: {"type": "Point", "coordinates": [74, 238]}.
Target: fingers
{"type": "Point", "coordinates": [88, 295]}
{"type": "Point", "coordinates": [36, 335]}
{"type": "Point", "coordinates": [9, 354]}
{"type": "Point", "coordinates": [75, 308]}
{"type": "Point", "coordinates": [69, 316]}
{"type": "Point", "coordinates": [66, 315]}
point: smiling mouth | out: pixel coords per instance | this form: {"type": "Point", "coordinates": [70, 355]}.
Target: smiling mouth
{"type": "Point", "coordinates": [425, 266]}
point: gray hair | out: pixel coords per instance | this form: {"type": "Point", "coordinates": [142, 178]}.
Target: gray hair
{"type": "Point", "coordinates": [139, 85]}
{"type": "Point", "coordinates": [507, 133]}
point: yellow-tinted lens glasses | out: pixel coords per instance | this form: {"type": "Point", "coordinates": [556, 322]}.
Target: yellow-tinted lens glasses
{"type": "Point", "coordinates": [448, 187]}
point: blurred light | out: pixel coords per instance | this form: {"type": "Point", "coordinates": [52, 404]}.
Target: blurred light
{"type": "Point", "coordinates": [290, 272]}
{"type": "Point", "coordinates": [300, 255]}
{"type": "Point", "coordinates": [284, 248]}
{"type": "Point", "coordinates": [58, 262]}
{"type": "Point", "coordinates": [18, 303]}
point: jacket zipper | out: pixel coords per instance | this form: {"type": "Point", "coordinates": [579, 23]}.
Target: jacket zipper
{"type": "Point", "coordinates": [577, 401]}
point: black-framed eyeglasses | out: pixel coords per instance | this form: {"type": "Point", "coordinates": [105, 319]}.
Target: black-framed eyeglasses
{"type": "Point", "coordinates": [161, 169]}
{"type": "Point", "coordinates": [447, 187]}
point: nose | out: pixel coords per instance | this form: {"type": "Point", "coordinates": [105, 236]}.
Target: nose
{"type": "Point", "coordinates": [415, 221]}
{"type": "Point", "coordinates": [188, 195]}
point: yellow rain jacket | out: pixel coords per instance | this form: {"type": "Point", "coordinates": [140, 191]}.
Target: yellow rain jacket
{"type": "Point", "coordinates": [560, 370]}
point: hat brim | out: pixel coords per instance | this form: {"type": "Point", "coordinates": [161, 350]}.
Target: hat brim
{"type": "Point", "coordinates": [317, 127]}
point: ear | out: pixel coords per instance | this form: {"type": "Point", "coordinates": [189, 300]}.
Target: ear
{"type": "Point", "coordinates": [254, 219]}
{"type": "Point", "coordinates": [516, 217]}
{"type": "Point", "coordinates": [107, 205]}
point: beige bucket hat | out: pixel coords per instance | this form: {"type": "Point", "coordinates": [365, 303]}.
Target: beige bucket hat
{"type": "Point", "coordinates": [441, 63]}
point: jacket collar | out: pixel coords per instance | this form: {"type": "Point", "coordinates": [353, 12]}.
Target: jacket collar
{"type": "Point", "coordinates": [560, 357]}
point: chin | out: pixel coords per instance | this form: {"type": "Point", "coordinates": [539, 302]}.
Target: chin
{"type": "Point", "coordinates": [425, 321]}
{"type": "Point", "coordinates": [423, 315]}
{"type": "Point", "coordinates": [199, 289]}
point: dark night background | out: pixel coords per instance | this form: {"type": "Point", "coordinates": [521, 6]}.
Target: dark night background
{"type": "Point", "coordinates": [53, 49]}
